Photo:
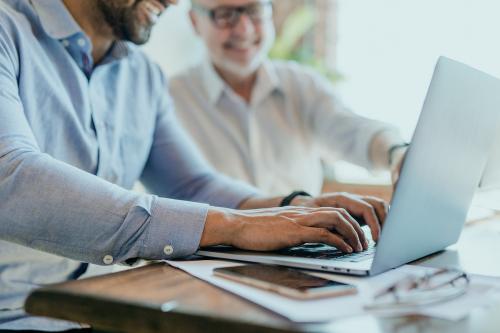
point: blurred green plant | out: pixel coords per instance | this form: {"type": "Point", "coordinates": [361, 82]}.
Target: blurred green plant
{"type": "Point", "coordinates": [291, 42]}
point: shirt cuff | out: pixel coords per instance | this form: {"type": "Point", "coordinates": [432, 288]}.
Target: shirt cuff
{"type": "Point", "coordinates": [175, 229]}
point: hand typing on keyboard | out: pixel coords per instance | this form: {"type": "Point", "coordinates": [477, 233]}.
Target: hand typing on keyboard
{"type": "Point", "coordinates": [327, 219]}
{"type": "Point", "coordinates": [367, 210]}
{"type": "Point", "coordinates": [323, 251]}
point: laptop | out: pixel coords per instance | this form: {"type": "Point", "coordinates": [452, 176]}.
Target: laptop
{"type": "Point", "coordinates": [491, 175]}
{"type": "Point", "coordinates": [441, 171]}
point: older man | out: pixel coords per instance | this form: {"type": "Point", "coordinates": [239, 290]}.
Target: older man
{"type": "Point", "coordinates": [269, 123]}
{"type": "Point", "coordinates": [83, 115]}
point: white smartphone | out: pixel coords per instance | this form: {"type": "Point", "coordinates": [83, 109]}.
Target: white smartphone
{"type": "Point", "coordinates": [285, 281]}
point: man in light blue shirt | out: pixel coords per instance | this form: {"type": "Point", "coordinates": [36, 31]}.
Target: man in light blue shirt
{"type": "Point", "coordinates": [83, 116]}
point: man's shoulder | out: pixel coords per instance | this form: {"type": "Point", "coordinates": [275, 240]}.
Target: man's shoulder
{"type": "Point", "coordinates": [188, 74]}
{"type": "Point", "coordinates": [13, 14]}
{"type": "Point", "coordinates": [188, 80]}
{"type": "Point", "coordinates": [16, 25]}
{"type": "Point", "coordinates": [292, 69]}
{"type": "Point", "coordinates": [142, 64]}
{"type": "Point", "coordinates": [294, 77]}
{"type": "Point", "coordinates": [8, 7]}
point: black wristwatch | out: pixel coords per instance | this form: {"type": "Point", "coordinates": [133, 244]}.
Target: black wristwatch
{"type": "Point", "coordinates": [288, 199]}
{"type": "Point", "coordinates": [394, 148]}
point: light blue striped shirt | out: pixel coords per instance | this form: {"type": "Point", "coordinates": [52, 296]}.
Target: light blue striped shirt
{"type": "Point", "coordinates": [74, 138]}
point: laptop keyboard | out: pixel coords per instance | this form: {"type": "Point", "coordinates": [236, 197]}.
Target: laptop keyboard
{"type": "Point", "coordinates": [322, 251]}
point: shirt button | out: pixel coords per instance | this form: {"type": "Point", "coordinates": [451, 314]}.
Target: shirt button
{"type": "Point", "coordinates": [65, 42]}
{"type": "Point", "coordinates": [108, 260]}
{"type": "Point", "coordinates": [81, 42]}
{"type": "Point", "coordinates": [168, 250]}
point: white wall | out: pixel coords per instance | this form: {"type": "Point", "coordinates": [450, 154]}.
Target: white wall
{"type": "Point", "coordinates": [173, 43]}
{"type": "Point", "coordinates": [387, 50]}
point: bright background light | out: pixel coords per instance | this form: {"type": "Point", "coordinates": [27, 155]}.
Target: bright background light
{"type": "Point", "coordinates": [386, 51]}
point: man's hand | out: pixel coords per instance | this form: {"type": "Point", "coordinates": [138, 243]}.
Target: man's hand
{"type": "Point", "coordinates": [368, 209]}
{"type": "Point", "coordinates": [326, 219]}
{"type": "Point", "coordinates": [275, 228]}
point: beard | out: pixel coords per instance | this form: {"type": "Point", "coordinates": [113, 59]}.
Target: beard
{"type": "Point", "coordinates": [124, 21]}
{"type": "Point", "coordinates": [244, 70]}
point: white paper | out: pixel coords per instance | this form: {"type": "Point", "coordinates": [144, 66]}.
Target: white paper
{"type": "Point", "coordinates": [487, 199]}
{"type": "Point", "coordinates": [477, 213]}
{"type": "Point", "coordinates": [321, 310]}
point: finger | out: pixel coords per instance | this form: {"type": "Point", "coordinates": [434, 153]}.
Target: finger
{"type": "Point", "coordinates": [322, 235]}
{"type": "Point", "coordinates": [381, 208]}
{"type": "Point", "coordinates": [372, 221]}
{"type": "Point", "coordinates": [362, 208]}
{"type": "Point", "coordinates": [333, 219]}
{"type": "Point", "coordinates": [357, 228]}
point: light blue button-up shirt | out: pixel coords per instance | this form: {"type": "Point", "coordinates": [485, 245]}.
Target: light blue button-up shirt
{"type": "Point", "coordinates": [74, 138]}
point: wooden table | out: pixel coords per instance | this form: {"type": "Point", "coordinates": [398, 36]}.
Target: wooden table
{"type": "Point", "coordinates": [159, 298]}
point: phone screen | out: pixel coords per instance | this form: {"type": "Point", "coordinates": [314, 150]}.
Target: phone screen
{"type": "Point", "coordinates": [282, 276]}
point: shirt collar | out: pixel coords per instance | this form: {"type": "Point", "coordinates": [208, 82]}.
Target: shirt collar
{"type": "Point", "coordinates": [267, 82]}
{"type": "Point", "coordinates": [213, 83]}
{"type": "Point", "coordinates": [55, 19]}
{"type": "Point", "coordinates": [59, 24]}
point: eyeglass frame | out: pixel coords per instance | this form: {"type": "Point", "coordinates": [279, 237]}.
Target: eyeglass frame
{"type": "Point", "coordinates": [240, 10]}
{"type": "Point", "coordinates": [417, 282]}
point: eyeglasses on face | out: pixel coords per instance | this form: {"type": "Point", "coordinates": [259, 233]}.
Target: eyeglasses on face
{"type": "Point", "coordinates": [228, 16]}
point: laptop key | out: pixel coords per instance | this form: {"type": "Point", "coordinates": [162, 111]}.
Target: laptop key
{"type": "Point", "coordinates": [312, 245]}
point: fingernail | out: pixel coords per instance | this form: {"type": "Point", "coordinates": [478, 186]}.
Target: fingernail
{"type": "Point", "coordinates": [360, 248]}
{"type": "Point", "coordinates": [349, 249]}
{"type": "Point", "coordinates": [366, 244]}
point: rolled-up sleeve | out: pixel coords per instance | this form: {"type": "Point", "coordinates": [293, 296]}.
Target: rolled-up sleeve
{"type": "Point", "coordinates": [182, 225]}
{"type": "Point", "coordinates": [335, 126]}
{"type": "Point", "coordinates": [53, 207]}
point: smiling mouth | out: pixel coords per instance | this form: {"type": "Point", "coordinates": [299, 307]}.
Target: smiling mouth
{"type": "Point", "coordinates": [241, 45]}
{"type": "Point", "coordinates": [152, 9]}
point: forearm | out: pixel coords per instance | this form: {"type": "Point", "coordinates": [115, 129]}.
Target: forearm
{"type": "Point", "coordinates": [220, 227]}
{"type": "Point", "coordinates": [260, 202]}
{"type": "Point", "coordinates": [380, 147]}
{"type": "Point", "coordinates": [54, 207]}
{"type": "Point", "coordinates": [223, 225]}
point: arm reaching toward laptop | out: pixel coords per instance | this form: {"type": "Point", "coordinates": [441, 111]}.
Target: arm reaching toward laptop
{"type": "Point", "coordinates": [324, 219]}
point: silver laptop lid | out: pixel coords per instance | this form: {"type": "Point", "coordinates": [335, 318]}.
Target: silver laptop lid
{"type": "Point", "coordinates": [443, 165]}
{"type": "Point", "coordinates": [491, 175]}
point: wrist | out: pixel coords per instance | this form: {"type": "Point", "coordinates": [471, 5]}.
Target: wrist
{"type": "Point", "coordinates": [259, 202]}
{"type": "Point", "coordinates": [294, 198]}
{"type": "Point", "coordinates": [380, 147]}
{"type": "Point", "coordinates": [396, 153]}
{"type": "Point", "coordinates": [302, 201]}
{"type": "Point", "coordinates": [220, 227]}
